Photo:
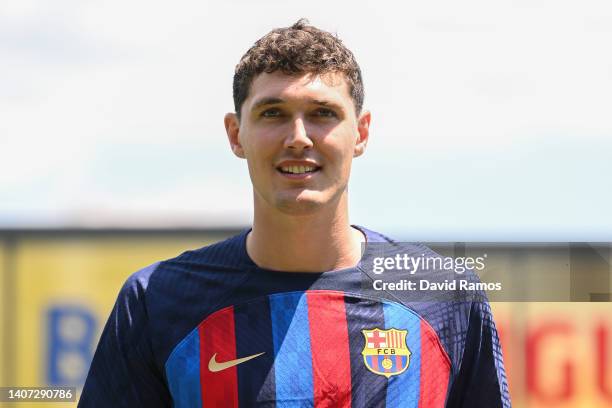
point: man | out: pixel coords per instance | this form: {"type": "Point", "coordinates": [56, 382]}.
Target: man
{"type": "Point", "coordinates": [279, 315]}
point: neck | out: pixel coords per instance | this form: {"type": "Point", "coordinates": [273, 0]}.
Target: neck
{"type": "Point", "coordinates": [318, 242]}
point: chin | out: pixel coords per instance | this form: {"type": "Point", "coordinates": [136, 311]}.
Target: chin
{"type": "Point", "coordinates": [303, 204]}
{"type": "Point", "coordinates": [298, 207]}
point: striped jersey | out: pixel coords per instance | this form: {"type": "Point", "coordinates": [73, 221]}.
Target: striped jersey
{"type": "Point", "coordinates": [210, 328]}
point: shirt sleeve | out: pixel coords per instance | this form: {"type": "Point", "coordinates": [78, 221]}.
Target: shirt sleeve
{"type": "Point", "coordinates": [123, 372]}
{"type": "Point", "coordinates": [481, 380]}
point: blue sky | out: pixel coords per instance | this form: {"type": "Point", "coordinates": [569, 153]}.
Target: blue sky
{"type": "Point", "coordinates": [490, 121]}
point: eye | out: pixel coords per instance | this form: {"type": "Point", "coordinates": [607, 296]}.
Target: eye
{"type": "Point", "coordinates": [271, 113]}
{"type": "Point", "coordinates": [325, 113]}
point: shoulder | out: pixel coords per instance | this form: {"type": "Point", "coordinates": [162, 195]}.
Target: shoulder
{"type": "Point", "coordinates": [137, 283]}
{"type": "Point", "coordinates": [225, 256]}
{"type": "Point", "coordinates": [373, 236]}
{"type": "Point", "coordinates": [394, 245]}
{"type": "Point", "coordinates": [228, 253]}
{"type": "Point", "coordinates": [195, 279]}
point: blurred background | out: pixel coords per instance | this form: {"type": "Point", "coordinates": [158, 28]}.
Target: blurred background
{"type": "Point", "coordinates": [491, 122]}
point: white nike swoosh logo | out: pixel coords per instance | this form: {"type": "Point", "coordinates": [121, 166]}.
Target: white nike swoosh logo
{"type": "Point", "coordinates": [214, 366]}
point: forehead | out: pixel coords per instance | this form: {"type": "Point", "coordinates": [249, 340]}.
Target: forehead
{"type": "Point", "coordinates": [331, 87]}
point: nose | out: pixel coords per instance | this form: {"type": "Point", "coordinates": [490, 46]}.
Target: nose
{"type": "Point", "coordinates": [298, 138]}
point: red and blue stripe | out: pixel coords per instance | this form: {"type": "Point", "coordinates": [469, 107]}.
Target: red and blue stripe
{"type": "Point", "coordinates": [312, 343]}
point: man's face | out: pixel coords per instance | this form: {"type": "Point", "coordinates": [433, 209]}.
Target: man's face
{"type": "Point", "coordinates": [299, 135]}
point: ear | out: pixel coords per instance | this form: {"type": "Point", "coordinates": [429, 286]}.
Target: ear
{"type": "Point", "coordinates": [232, 128]}
{"type": "Point", "coordinates": [363, 127]}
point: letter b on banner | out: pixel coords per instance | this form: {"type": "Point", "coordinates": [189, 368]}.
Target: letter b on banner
{"type": "Point", "coordinates": [70, 334]}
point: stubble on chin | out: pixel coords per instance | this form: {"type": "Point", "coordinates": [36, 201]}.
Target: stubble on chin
{"type": "Point", "coordinates": [298, 205]}
{"type": "Point", "coordinates": [307, 202]}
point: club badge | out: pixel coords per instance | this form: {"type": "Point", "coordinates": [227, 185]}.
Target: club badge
{"type": "Point", "coordinates": [385, 351]}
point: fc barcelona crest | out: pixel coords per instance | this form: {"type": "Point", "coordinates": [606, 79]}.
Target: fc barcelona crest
{"type": "Point", "coordinates": [385, 351]}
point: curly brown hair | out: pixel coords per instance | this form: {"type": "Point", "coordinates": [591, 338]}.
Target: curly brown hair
{"type": "Point", "coordinates": [298, 49]}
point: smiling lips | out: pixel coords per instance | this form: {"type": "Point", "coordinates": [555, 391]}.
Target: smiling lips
{"type": "Point", "coordinates": [297, 168]}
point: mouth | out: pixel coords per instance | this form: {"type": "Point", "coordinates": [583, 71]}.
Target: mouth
{"type": "Point", "coordinates": [298, 171]}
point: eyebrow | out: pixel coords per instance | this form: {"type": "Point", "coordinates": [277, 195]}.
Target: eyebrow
{"type": "Point", "coordinates": [275, 101]}
{"type": "Point", "coordinates": [267, 101]}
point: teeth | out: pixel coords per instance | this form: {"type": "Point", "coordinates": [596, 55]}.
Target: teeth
{"type": "Point", "coordinates": [297, 169]}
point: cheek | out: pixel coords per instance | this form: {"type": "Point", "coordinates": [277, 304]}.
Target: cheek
{"type": "Point", "coordinates": [339, 158]}
{"type": "Point", "coordinates": [261, 169]}
{"type": "Point", "coordinates": [259, 150]}
{"type": "Point", "coordinates": [341, 151]}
